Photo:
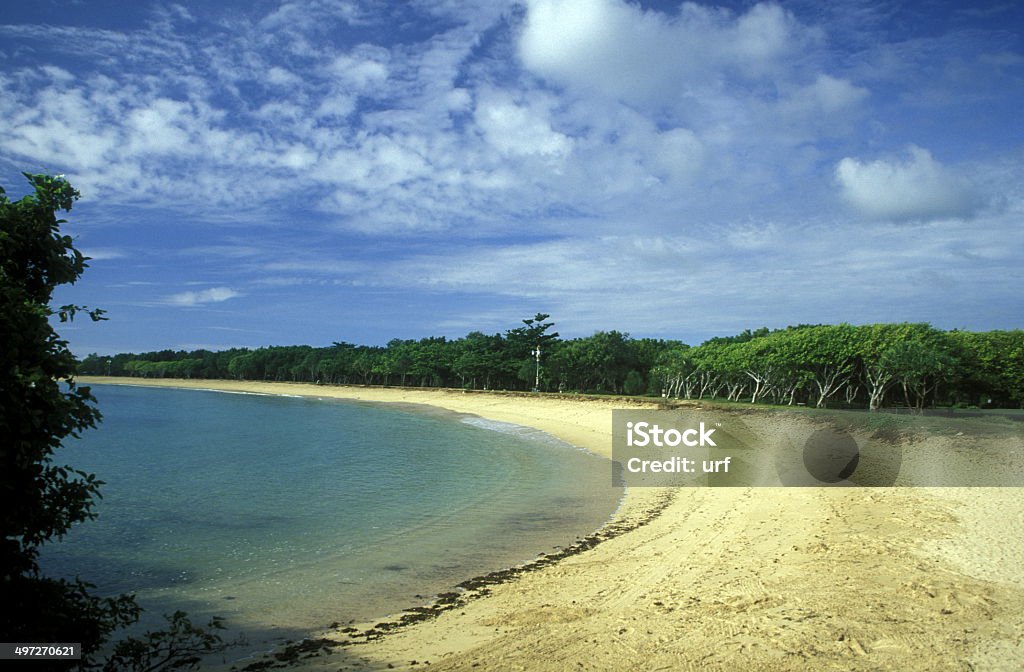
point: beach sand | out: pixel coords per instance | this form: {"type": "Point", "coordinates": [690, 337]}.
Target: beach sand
{"type": "Point", "coordinates": [720, 579]}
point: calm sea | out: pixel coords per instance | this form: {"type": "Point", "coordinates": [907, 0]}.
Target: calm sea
{"type": "Point", "coordinates": [284, 515]}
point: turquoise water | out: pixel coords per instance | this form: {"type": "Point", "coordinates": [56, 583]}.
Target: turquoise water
{"type": "Point", "coordinates": [284, 515]}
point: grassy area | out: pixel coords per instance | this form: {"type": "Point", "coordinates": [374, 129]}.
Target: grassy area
{"type": "Point", "coordinates": [894, 422]}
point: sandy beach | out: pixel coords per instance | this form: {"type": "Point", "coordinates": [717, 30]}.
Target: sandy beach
{"type": "Point", "coordinates": [719, 579]}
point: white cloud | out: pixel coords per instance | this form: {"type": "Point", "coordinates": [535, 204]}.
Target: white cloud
{"type": "Point", "coordinates": [675, 114]}
{"type": "Point", "coordinates": [518, 129]}
{"type": "Point", "coordinates": [915, 188]}
{"type": "Point", "coordinates": [623, 51]}
{"type": "Point", "coordinates": [160, 127]}
{"type": "Point", "coordinates": [426, 135]}
{"type": "Point", "coordinates": [676, 154]}
{"type": "Point", "coordinates": [572, 39]}
{"type": "Point", "coordinates": [828, 95]}
{"type": "Point", "coordinates": [337, 105]}
{"type": "Point", "coordinates": [362, 69]}
{"type": "Point", "coordinates": [102, 253]}
{"type": "Point", "coordinates": [282, 77]}
{"type": "Point", "coordinates": [203, 296]}
{"type": "Point", "coordinates": [728, 278]}
{"type": "Point", "coordinates": [762, 34]}
{"type": "Point", "coordinates": [834, 94]}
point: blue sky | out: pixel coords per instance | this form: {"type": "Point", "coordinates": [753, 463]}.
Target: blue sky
{"type": "Point", "coordinates": [258, 173]}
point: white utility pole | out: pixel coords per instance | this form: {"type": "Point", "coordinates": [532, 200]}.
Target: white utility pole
{"type": "Point", "coordinates": [536, 380]}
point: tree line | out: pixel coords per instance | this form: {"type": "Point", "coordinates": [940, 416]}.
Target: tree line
{"type": "Point", "coordinates": [875, 365]}
{"type": "Point", "coordinates": [867, 366]}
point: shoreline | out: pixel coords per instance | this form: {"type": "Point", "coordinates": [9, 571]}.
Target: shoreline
{"type": "Point", "coordinates": [485, 404]}
{"type": "Point", "coordinates": [766, 579]}
{"type": "Point", "coordinates": [631, 511]}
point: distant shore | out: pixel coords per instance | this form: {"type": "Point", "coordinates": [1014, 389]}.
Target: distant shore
{"type": "Point", "coordinates": [718, 579]}
{"type": "Point", "coordinates": [581, 426]}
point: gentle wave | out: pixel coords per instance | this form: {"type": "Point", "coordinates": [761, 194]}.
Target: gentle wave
{"type": "Point", "coordinates": [520, 431]}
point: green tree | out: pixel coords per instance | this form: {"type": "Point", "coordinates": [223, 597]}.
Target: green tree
{"type": "Point", "coordinates": [648, 352]}
{"type": "Point", "coordinates": [875, 344]}
{"type": "Point", "coordinates": [535, 332]}
{"type": "Point", "coordinates": [40, 407]}
{"type": "Point", "coordinates": [634, 383]}
{"type": "Point", "coordinates": [243, 366]}
{"type": "Point", "coordinates": [523, 341]}
{"type": "Point", "coordinates": [921, 365]}
{"type": "Point", "coordinates": [365, 362]}
{"type": "Point", "coordinates": [399, 358]}
{"type": "Point", "coordinates": [676, 371]}
{"type": "Point", "coordinates": [826, 354]}
{"type": "Point", "coordinates": [991, 366]}
{"type": "Point", "coordinates": [917, 357]}
{"type": "Point", "coordinates": [607, 359]}
{"type": "Point", "coordinates": [478, 359]}
{"type": "Point", "coordinates": [759, 360]}
{"type": "Point", "coordinates": [711, 370]}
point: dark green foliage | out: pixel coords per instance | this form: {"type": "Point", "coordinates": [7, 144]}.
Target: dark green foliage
{"type": "Point", "coordinates": [180, 646]}
{"type": "Point", "coordinates": [990, 367]}
{"type": "Point", "coordinates": [42, 499]}
{"type": "Point", "coordinates": [634, 384]}
{"type": "Point", "coordinates": [40, 408]}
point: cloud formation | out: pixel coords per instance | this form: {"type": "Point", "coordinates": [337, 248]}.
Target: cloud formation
{"type": "Point", "coordinates": [423, 160]}
{"type": "Point", "coordinates": [202, 296]}
{"type": "Point", "coordinates": [423, 135]}
{"type": "Point", "coordinates": [641, 55]}
{"type": "Point", "coordinates": [915, 188]}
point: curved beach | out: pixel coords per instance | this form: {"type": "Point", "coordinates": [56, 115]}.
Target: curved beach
{"type": "Point", "coordinates": [721, 579]}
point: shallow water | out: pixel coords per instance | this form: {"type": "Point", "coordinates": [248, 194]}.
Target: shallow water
{"type": "Point", "coordinates": [285, 515]}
